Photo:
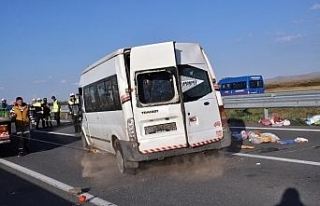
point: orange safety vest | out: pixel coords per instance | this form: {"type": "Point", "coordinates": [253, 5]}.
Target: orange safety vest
{"type": "Point", "coordinates": [22, 118]}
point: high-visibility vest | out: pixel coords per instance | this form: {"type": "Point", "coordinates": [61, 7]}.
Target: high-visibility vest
{"type": "Point", "coordinates": [22, 118]}
{"type": "Point", "coordinates": [37, 104]}
{"type": "Point", "coordinates": [55, 106]}
{"type": "Point", "coordinates": [74, 106]}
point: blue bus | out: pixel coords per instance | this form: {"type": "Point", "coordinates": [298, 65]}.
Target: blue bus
{"type": "Point", "coordinates": [252, 84]}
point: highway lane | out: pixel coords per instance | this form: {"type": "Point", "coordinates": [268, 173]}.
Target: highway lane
{"type": "Point", "coordinates": [202, 179]}
{"type": "Point", "coordinates": [16, 191]}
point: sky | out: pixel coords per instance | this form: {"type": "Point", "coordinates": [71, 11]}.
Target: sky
{"type": "Point", "coordinates": [45, 45]}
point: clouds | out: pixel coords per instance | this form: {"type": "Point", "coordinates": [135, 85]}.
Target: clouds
{"type": "Point", "coordinates": [288, 38]}
{"type": "Point", "coordinates": [63, 81]}
{"type": "Point", "coordinates": [315, 6]}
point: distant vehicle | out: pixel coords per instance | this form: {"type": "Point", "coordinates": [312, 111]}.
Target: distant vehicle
{"type": "Point", "coordinates": [252, 84]}
{"type": "Point", "coordinates": [151, 102]}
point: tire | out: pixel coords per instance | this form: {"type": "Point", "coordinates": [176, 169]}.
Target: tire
{"type": "Point", "coordinates": [121, 164]}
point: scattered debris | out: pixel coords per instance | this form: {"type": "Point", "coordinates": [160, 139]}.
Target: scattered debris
{"type": "Point", "coordinates": [247, 147]}
{"type": "Point", "coordinates": [258, 137]}
{"type": "Point", "coordinates": [266, 137]}
{"type": "Point", "coordinates": [288, 141]}
{"type": "Point", "coordinates": [276, 121]}
{"type": "Point", "coordinates": [315, 120]}
{"type": "Point", "coordinates": [240, 136]}
{"type": "Point", "coordinates": [301, 140]}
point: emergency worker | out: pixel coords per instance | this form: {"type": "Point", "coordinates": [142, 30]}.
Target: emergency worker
{"type": "Point", "coordinates": [46, 113]}
{"type": "Point", "coordinates": [38, 112]}
{"type": "Point", "coordinates": [74, 109]}
{"type": "Point", "coordinates": [56, 107]}
{"type": "Point", "coordinates": [21, 114]}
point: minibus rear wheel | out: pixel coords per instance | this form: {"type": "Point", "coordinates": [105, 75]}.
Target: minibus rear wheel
{"type": "Point", "coordinates": [121, 162]}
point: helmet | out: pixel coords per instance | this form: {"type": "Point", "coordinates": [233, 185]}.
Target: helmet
{"type": "Point", "coordinates": [38, 99]}
{"type": "Point", "coordinates": [33, 99]}
{"type": "Point", "coordinates": [3, 100]}
{"type": "Point", "coordinates": [72, 95]}
{"type": "Point", "coordinates": [53, 97]}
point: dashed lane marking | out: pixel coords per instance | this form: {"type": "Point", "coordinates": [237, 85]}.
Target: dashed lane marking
{"type": "Point", "coordinates": [55, 183]}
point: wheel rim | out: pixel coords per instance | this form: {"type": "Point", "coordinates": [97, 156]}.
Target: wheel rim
{"type": "Point", "coordinates": [120, 162]}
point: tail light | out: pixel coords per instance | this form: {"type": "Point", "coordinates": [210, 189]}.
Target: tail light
{"type": "Point", "coordinates": [4, 132]}
{"type": "Point", "coordinates": [131, 129]}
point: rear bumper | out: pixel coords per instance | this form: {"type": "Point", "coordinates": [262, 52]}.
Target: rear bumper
{"type": "Point", "coordinates": [132, 153]}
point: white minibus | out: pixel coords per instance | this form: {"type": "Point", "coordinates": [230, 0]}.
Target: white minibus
{"type": "Point", "coordinates": [151, 102]}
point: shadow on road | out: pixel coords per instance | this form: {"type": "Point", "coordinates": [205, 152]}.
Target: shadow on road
{"type": "Point", "coordinates": [290, 197]}
{"type": "Point", "coordinates": [236, 126]}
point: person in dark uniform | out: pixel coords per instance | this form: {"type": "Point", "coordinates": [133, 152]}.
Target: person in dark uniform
{"type": "Point", "coordinates": [38, 112]}
{"type": "Point", "coordinates": [56, 107]}
{"type": "Point", "coordinates": [46, 113]}
{"type": "Point", "coordinates": [74, 108]}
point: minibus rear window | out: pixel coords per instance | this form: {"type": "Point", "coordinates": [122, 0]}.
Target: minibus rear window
{"type": "Point", "coordinates": [155, 87]}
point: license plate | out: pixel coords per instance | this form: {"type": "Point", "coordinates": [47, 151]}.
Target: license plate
{"type": "Point", "coordinates": [160, 128]}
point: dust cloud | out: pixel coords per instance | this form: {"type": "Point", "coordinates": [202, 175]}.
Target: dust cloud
{"type": "Point", "coordinates": [102, 168]}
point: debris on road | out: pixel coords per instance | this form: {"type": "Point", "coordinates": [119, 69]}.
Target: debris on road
{"type": "Point", "coordinates": [276, 121]}
{"type": "Point", "coordinates": [266, 137]}
{"type": "Point", "coordinates": [315, 120]}
{"type": "Point", "coordinates": [97, 151]}
{"type": "Point", "coordinates": [301, 140]}
{"type": "Point", "coordinates": [288, 141]}
{"type": "Point", "coordinates": [247, 147]}
{"type": "Point", "coordinates": [240, 136]}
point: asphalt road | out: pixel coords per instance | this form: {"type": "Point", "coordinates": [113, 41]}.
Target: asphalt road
{"type": "Point", "coordinates": [200, 179]}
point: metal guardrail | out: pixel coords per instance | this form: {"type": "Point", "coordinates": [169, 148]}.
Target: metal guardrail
{"type": "Point", "coordinates": [274, 100]}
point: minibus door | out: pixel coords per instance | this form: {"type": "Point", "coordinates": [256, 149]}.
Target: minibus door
{"type": "Point", "coordinates": [203, 120]}
{"type": "Point", "coordinates": [156, 102]}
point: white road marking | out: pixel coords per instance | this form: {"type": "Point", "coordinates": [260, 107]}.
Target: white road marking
{"type": "Point", "coordinates": [280, 129]}
{"type": "Point", "coordinates": [281, 159]}
{"type": "Point", "coordinates": [55, 183]}
{"type": "Point", "coordinates": [58, 133]}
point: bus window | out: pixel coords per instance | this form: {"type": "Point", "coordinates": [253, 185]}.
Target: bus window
{"type": "Point", "coordinates": [256, 84]}
{"type": "Point", "coordinates": [239, 85]}
{"type": "Point", "coordinates": [155, 87]}
{"type": "Point", "coordinates": [225, 87]}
